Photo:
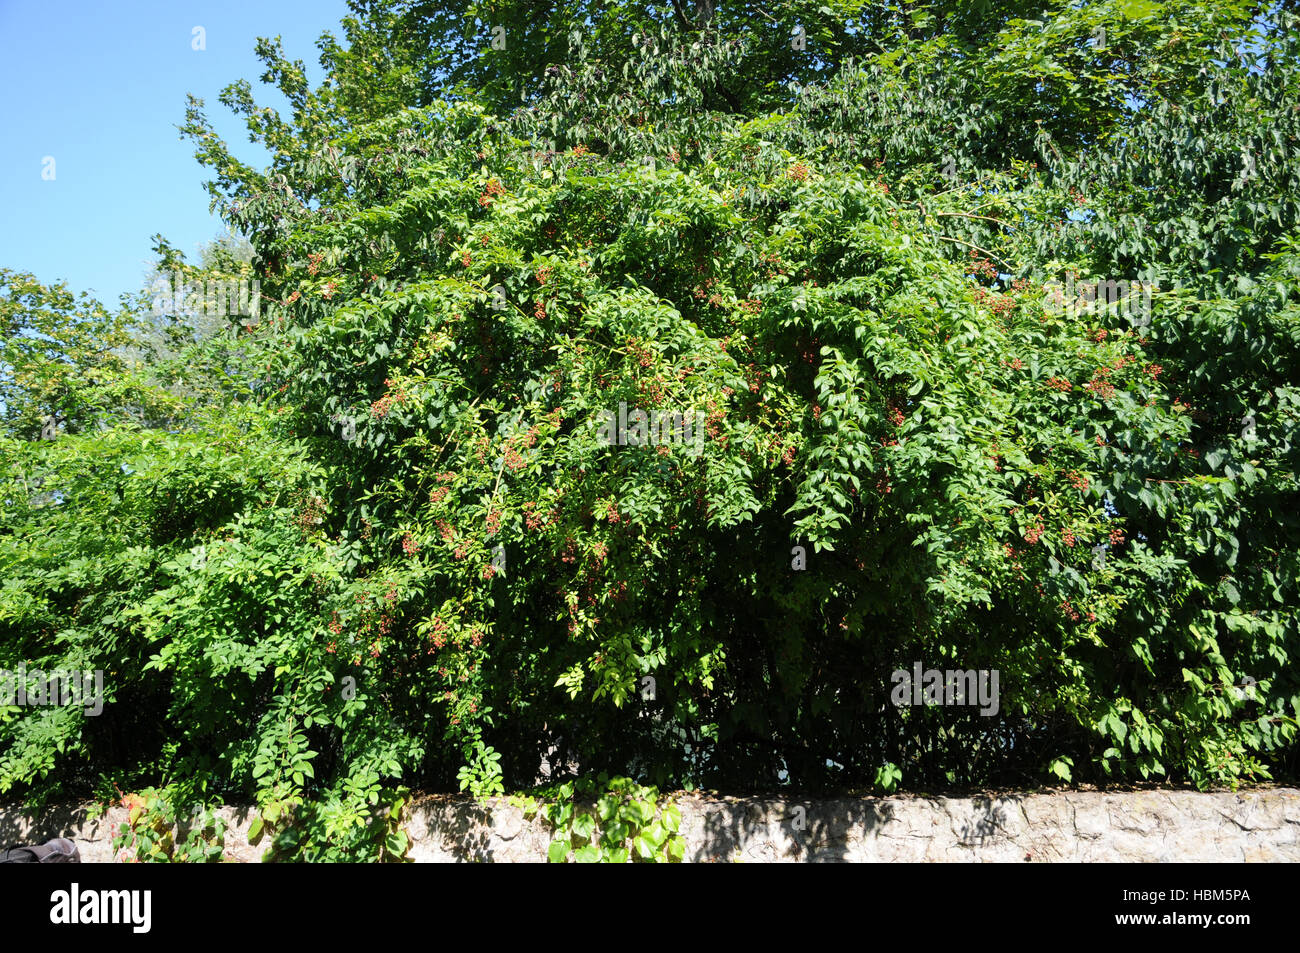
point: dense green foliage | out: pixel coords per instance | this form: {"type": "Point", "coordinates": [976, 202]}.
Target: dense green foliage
{"type": "Point", "coordinates": [384, 541]}
{"type": "Point", "coordinates": [607, 820]}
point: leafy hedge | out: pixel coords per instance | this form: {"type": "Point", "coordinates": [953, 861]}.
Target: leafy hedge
{"type": "Point", "coordinates": [403, 551]}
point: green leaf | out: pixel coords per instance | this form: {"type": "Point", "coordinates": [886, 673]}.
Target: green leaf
{"type": "Point", "coordinates": [676, 849]}
{"type": "Point", "coordinates": [584, 825]}
{"type": "Point", "coordinates": [558, 851]}
{"type": "Point", "coordinates": [1060, 767]}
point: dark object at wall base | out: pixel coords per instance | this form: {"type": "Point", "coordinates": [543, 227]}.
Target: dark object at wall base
{"type": "Point", "coordinates": [60, 850]}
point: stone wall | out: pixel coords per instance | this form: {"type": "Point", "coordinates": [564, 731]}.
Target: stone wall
{"type": "Point", "coordinates": [1160, 826]}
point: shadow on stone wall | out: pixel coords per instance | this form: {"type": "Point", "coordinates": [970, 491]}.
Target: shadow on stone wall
{"type": "Point", "coordinates": [1261, 825]}
{"type": "Point", "coordinates": [462, 832]}
{"type": "Point", "coordinates": [988, 820]}
{"type": "Point", "coordinates": [94, 836]}
{"type": "Point", "coordinates": [770, 830]}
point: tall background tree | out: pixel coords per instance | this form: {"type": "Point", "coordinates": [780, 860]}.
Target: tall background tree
{"type": "Point", "coordinates": [830, 230]}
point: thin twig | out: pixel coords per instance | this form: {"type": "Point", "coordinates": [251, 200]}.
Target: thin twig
{"type": "Point", "coordinates": [967, 215]}
{"type": "Point", "coordinates": [454, 431]}
{"type": "Point", "coordinates": [956, 188]}
{"type": "Point", "coordinates": [501, 469]}
{"type": "Point", "coordinates": [977, 248]}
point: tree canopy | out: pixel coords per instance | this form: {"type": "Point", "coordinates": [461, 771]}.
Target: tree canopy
{"type": "Point", "coordinates": [975, 330]}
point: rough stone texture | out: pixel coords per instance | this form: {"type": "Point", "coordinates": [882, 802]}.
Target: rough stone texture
{"type": "Point", "coordinates": [1088, 826]}
{"type": "Point", "coordinates": [94, 836]}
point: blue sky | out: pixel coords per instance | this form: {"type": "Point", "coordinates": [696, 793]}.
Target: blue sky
{"type": "Point", "coordinates": [99, 85]}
